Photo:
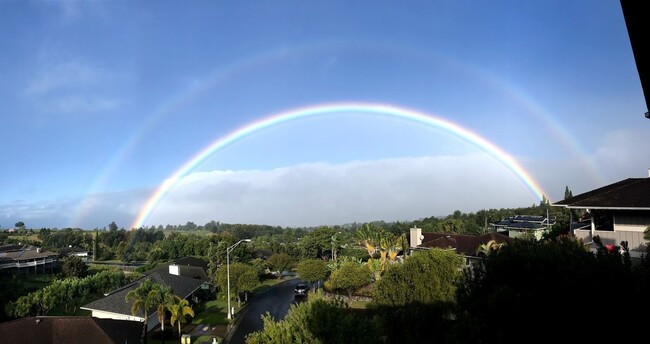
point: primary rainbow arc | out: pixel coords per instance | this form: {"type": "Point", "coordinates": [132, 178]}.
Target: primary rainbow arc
{"type": "Point", "coordinates": [372, 108]}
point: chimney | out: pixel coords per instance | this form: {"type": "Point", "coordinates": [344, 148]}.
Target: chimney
{"type": "Point", "coordinates": [174, 270]}
{"type": "Point", "coordinates": [649, 172]}
{"type": "Point", "coordinates": [416, 236]}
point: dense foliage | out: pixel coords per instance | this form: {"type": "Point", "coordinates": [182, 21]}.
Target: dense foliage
{"type": "Point", "coordinates": [428, 277]}
{"type": "Point", "coordinates": [317, 321]}
{"type": "Point", "coordinates": [66, 294]}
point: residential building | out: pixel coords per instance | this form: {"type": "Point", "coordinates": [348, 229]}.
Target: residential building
{"type": "Point", "coordinates": [26, 258]}
{"type": "Point", "coordinates": [115, 305]}
{"type": "Point", "coordinates": [64, 330]}
{"type": "Point", "coordinates": [75, 251]}
{"type": "Point", "coordinates": [523, 225]}
{"type": "Point", "coordinates": [616, 212]}
{"type": "Point", "coordinates": [466, 245]}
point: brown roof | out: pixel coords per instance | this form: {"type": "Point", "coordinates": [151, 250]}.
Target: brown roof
{"type": "Point", "coordinates": [55, 330]}
{"type": "Point", "coordinates": [631, 193]}
{"type": "Point", "coordinates": [463, 244]}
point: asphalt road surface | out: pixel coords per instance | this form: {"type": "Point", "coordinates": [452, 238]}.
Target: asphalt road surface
{"type": "Point", "coordinates": [275, 300]}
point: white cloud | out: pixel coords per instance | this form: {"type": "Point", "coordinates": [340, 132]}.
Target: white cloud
{"type": "Point", "coordinates": [318, 194]}
{"type": "Point", "coordinates": [625, 153]}
{"type": "Point", "coordinates": [304, 195]}
{"type": "Point", "coordinates": [73, 87]}
{"type": "Point", "coordinates": [66, 75]}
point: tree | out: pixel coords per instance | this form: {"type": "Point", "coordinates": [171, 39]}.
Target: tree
{"type": "Point", "coordinates": [179, 309]}
{"type": "Point", "coordinates": [312, 270]}
{"type": "Point", "coordinates": [73, 266]}
{"type": "Point", "coordinates": [319, 320]}
{"type": "Point", "coordinates": [141, 301]}
{"type": "Point", "coordinates": [112, 226]}
{"type": "Point", "coordinates": [161, 296]}
{"type": "Point", "coordinates": [567, 193]}
{"type": "Point", "coordinates": [317, 243]}
{"type": "Point", "coordinates": [280, 262]}
{"type": "Point", "coordinates": [243, 278]}
{"type": "Point", "coordinates": [349, 278]}
{"type": "Point", "coordinates": [428, 277]}
{"type": "Point", "coordinates": [20, 225]}
{"type": "Point", "coordinates": [526, 281]}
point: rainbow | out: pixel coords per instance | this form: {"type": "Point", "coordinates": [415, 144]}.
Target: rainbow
{"type": "Point", "coordinates": [371, 108]}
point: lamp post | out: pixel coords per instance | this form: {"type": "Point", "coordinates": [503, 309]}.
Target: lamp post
{"type": "Point", "coordinates": [228, 250]}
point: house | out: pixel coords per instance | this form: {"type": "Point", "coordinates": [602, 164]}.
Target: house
{"type": "Point", "coordinates": [74, 251]}
{"type": "Point", "coordinates": [519, 225]}
{"type": "Point", "coordinates": [465, 245]}
{"type": "Point", "coordinates": [26, 258]}
{"type": "Point", "coordinates": [115, 306]}
{"type": "Point", "coordinates": [63, 330]}
{"type": "Point", "coordinates": [616, 212]}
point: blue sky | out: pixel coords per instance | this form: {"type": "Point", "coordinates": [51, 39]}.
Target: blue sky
{"type": "Point", "coordinates": [104, 100]}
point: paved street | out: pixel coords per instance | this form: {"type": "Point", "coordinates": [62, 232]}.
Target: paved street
{"type": "Point", "coordinates": [276, 301]}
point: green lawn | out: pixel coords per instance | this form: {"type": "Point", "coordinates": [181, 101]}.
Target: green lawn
{"type": "Point", "coordinates": [214, 313]}
{"type": "Point", "coordinates": [268, 283]}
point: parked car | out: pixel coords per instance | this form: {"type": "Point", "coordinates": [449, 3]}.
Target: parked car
{"type": "Point", "coordinates": [301, 289]}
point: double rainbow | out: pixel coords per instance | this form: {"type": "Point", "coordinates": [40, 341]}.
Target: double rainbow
{"type": "Point", "coordinates": [370, 108]}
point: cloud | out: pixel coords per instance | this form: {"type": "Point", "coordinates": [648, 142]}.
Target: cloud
{"type": "Point", "coordinates": [624, 153]}
{"type": "Point", "coordinates": [73, 87]}
{"type": "Point", "coordinates": [325, 194]}
{"type": "Point", "coordinates": [72, 74]}
{"type": "Point", "coordinates": [303, 195]}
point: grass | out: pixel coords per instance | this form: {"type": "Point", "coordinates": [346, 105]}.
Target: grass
{"type": "Point", "coordinates": [268, 283]}
{"type": "Point", "coordinates": [214, 313]}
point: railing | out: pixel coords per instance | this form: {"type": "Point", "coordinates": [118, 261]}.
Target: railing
{"type": "Point", "coordinates": [634, 239]}
{"type": "Point", "coordinates": [26, 264]}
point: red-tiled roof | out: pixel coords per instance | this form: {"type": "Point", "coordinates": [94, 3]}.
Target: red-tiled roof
{"type": "Point", "coordinates": [463, 244]}
{"type": "Point", "coordinates": [55, 330]}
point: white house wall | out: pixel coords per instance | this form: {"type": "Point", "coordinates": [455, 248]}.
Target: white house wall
{"type": "Point", "coordinates": [153, 319]}
{"type": "Point", "coordinates": [116, 316]}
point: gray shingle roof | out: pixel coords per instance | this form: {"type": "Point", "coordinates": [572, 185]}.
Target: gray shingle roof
{"type": "Point", "coordinates": [116, 301]}
{"type": "Point", "coordinates": [631, 193]}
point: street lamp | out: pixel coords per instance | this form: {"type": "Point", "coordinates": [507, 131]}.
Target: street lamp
{"type": "Point", "coordinates": [228, 250]}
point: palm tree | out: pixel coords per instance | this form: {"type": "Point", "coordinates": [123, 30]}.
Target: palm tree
{"type": "Point", "coordinates": [161, 296]}
{"type": "Point", "coordinates": [141, 300]}
{"type": "Point", "coordinates": [370, 237]}
{"type": "Point", "coordinates": [484, 250]}
{"type": "Point", "coordinates": [179, 309]}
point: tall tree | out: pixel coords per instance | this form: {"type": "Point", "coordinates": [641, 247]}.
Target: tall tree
{"type": "Point", "coordinates": [312, 270]}
{"type": "Point", "coordinates": [73, 266]}
{"type": "Point", "coordinates": [243, 278]}
{"type": "Point", "coordinates": [349, 278]}
{"type": "Point", "coordinates": [180, 309]}
{"type": "Point", "coordinates": [141, 301]}
{"type": "Point", "coordinates": [567, 193]}
{"type": "Point", "coordinates": [161, 296]}
{"type": "Point", "coordinates": [280, 262]}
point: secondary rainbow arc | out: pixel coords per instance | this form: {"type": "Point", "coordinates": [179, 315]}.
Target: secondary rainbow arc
{"type": "Point", "coordinates": [371, 108]}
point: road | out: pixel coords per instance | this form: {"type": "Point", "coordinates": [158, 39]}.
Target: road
{"type": "Point", "coordinates": [275, 300]}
